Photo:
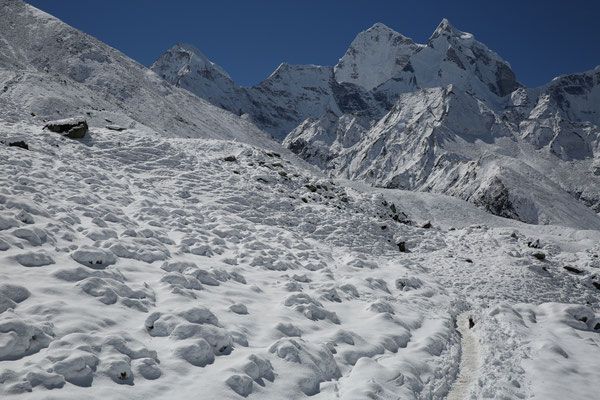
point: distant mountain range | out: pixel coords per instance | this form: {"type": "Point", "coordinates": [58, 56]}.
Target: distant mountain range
{"type": "Point", "coordinates": [448, 116]}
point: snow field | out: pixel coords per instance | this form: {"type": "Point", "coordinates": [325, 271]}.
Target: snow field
{"type": "Point", "coordinates": [138, 266]}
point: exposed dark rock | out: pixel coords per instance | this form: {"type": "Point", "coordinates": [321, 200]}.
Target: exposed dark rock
{"type": "Point", "coordinates": [452, 56]}
{"type": "Point", "coordinates": [573, 270]}
{"type": "Point", "coordinates": [496, 200]}
{"type": "Point", "coordinates": [401, 246]}
{"type": "Point", "coordinates": [115, 128]}
{"type": "Point", "coordinates": [540, 256]}
{"type": "Point", "coordinates": [74, 128]}
{"type": "Point", "coordinates": [505, 79]}
{"type": "Point", "coordinates": [20, 144]}
{"type": "Point", "coordinates": [230, 159]}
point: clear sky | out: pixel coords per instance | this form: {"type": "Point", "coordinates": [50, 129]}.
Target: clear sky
{"type": "Point", "coordinates": [250, 38]}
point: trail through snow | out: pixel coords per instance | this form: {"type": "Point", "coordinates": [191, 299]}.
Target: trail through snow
{"type": "Point", "coordinates": [469, 360]}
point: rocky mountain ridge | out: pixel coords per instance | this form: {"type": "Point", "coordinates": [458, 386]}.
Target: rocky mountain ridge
{"type": "Point", "coordinates": [447, 116]}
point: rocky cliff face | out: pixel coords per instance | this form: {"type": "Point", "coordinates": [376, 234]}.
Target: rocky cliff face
{"type": "Point", "coordinates": [446, 140]}
{"type": "Point", "coordinates": [375, 56]}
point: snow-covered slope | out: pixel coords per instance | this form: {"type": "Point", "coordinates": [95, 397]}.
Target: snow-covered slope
{"type": "Point", "coordinates": [51, 70]}
{"type": "Point", "coordinates": [137, 266]}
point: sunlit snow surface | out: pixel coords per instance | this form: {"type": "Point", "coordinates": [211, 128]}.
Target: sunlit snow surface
{"type": "Point", "coordinates": [134, 266]}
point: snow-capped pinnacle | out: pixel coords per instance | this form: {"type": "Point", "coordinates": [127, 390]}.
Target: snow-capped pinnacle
{"type": "Point", "coordinates": [445, 28]}
{"type": "Point", "coordinates": [374, 56]}
{"type": "Point", "coordinates": [181, 58]}
{"type": "Point", "coordinates": [379, 27]}
{"type": "Point", "coordinates": [454, 56]}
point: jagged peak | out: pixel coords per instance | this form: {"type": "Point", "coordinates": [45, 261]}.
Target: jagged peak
{"type": "Point", "coordinates": [380, 28]}
{"type": "Point", "coordinates": [445, 28]}
{"type": "Point", "coordinates": [187, 47]}
{"type": "Point", "coordinates": [195, 57]}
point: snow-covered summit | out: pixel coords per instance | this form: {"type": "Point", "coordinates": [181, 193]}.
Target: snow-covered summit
{"type": "Point", "coordinates": [375, 56]}
{"type": "Point", "coordinates": [389, 63]}
{"type": "Point", "coordinates": [183, 65]}
{"type": "Point", "coordinates": [379, 65]}
{"type": "Point", "coordinates": [445, 28]}
{"type": "Point", "coordinates": [454, 57]}
{"type": "Point", "coordinates": [188, 57]}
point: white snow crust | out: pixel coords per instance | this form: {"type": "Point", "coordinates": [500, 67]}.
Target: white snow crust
{"type": "Point", "coordinates": [189, 255]}
{"type": "Point", "coordinates": [142, 266]}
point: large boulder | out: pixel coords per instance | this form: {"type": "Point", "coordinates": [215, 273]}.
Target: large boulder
{"type": "Point", "coordinates": [74, 128]}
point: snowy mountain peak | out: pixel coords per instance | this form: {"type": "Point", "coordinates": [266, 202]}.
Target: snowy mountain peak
{"type": "Point", "coordinates": [445, 28]}
{"type": "Point", "coordinates": [454, 56]}
{"type": "Point", "coordinates": [183, 65]}
{"type": "Point", "coordinates": [183, 58]}
{"type": "Point", "coordinates": [374, 56]}
{"type": "Point", "coordinates": [378, 27]}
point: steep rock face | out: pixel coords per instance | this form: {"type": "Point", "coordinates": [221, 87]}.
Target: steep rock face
{"type": "Point", "coordinates": [320, 141]}
{"type": "Point", "coordinates": [446, 140]}
{"type": "Point", "coordinates": [375, 56]}
{"type": "Point", "coordinates": [294, 93]}
{"type": "Point", "coordinates": [55, 71]}
{"type": "Point", "coordinates": [453, 57]}
{"type": "Point", "coordinates": [401, 149]}
{"type": "Point", "coordinates": [291, 94]}
{"type": "Point", "coordinates": [565, 116]}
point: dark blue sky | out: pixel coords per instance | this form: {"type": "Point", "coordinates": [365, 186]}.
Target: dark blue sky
{"type": "Point", "coordinates": [250, 38]}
